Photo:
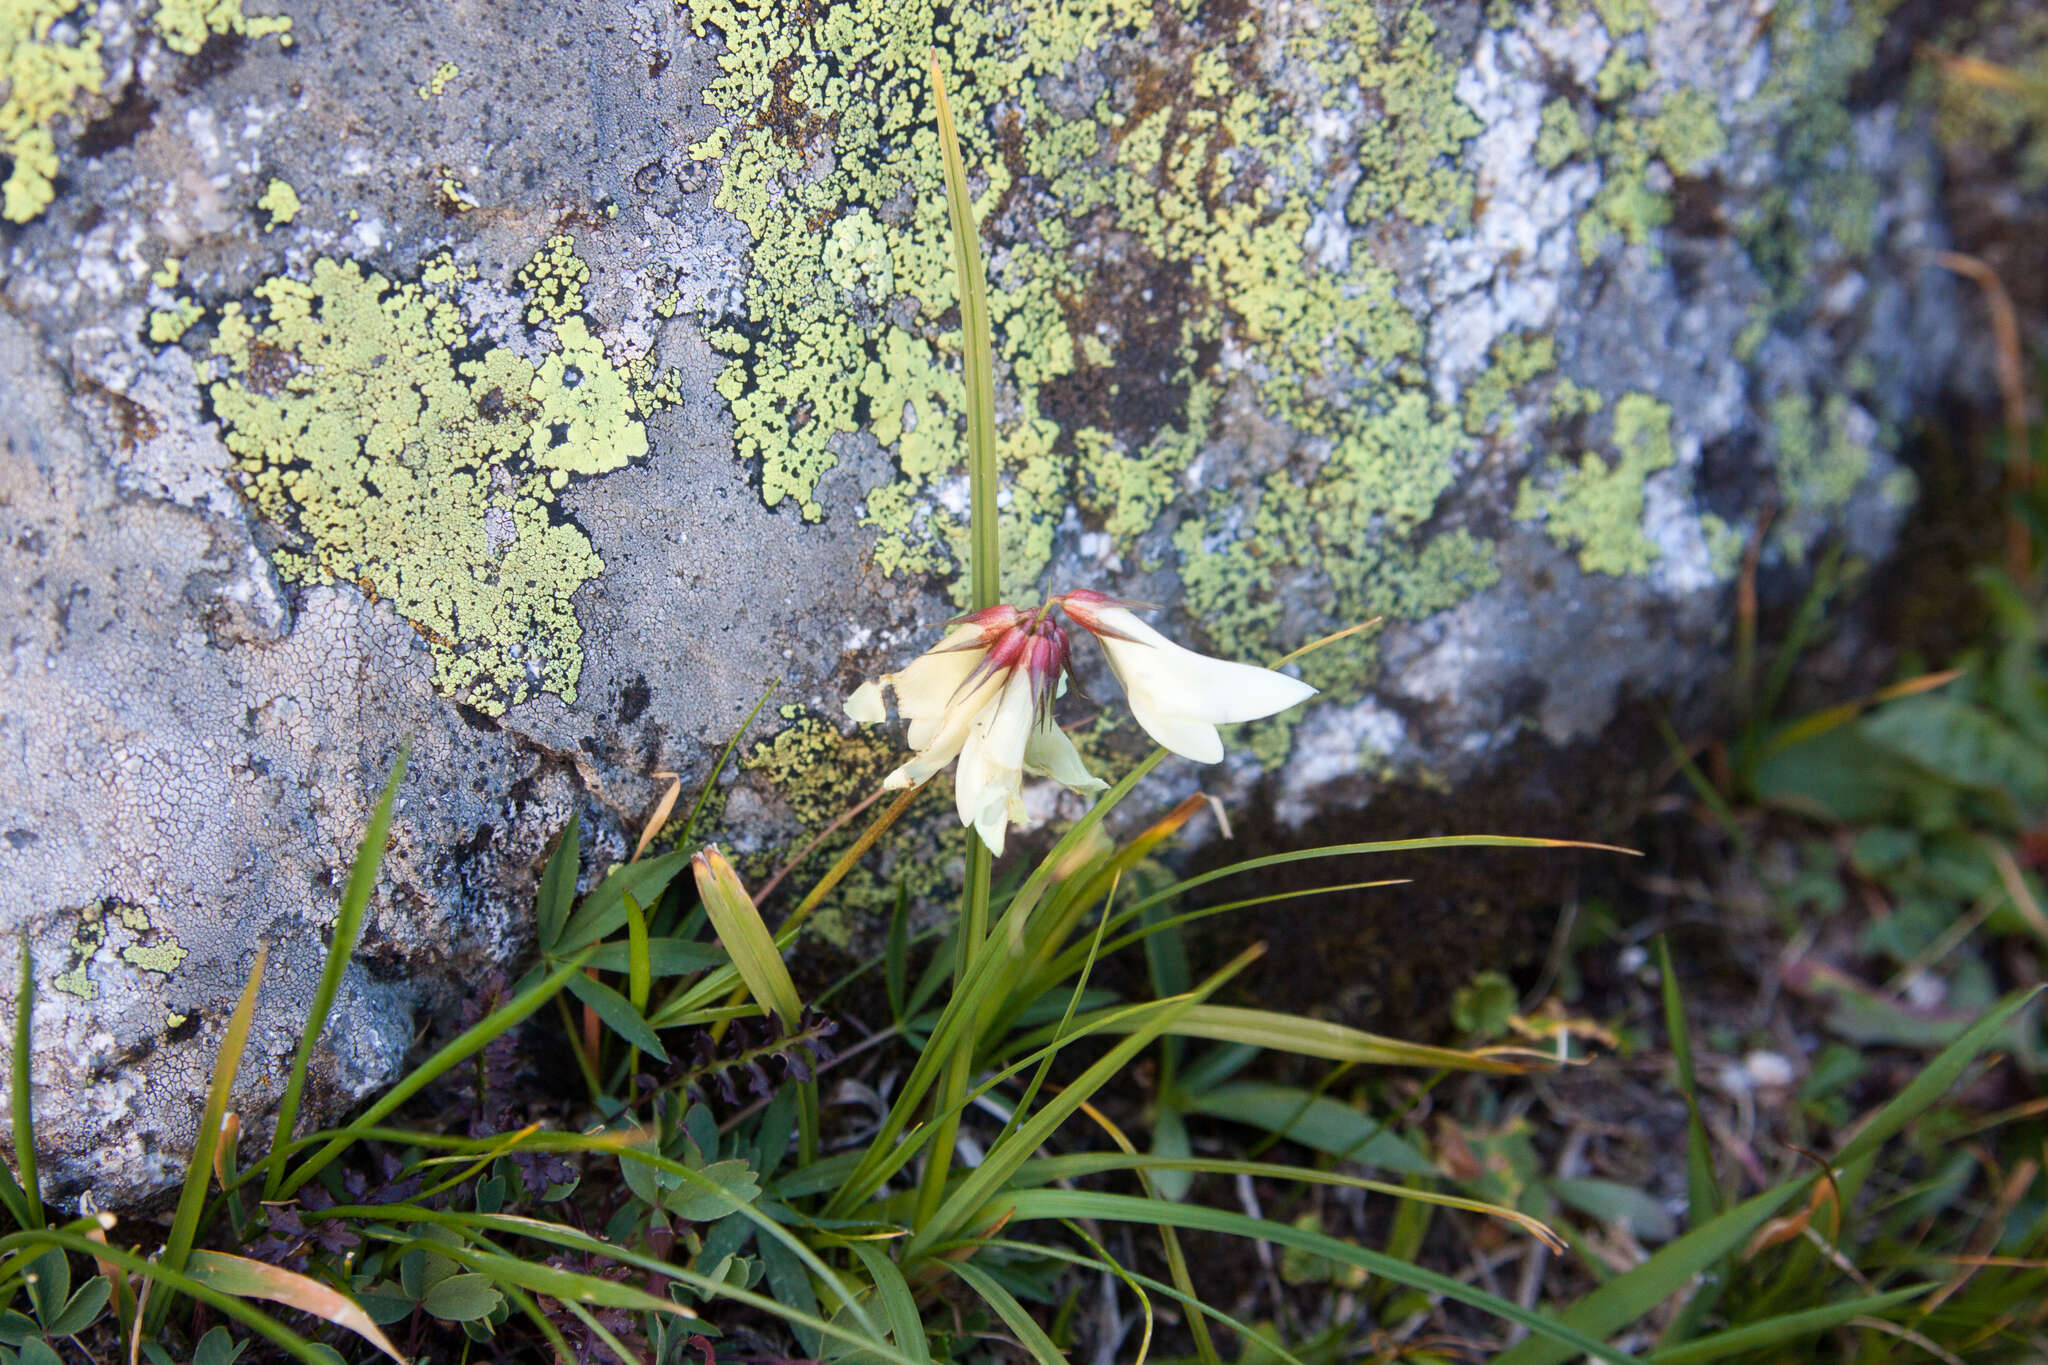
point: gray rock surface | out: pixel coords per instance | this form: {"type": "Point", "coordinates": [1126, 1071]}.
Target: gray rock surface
{"type": "Point", "coordinates": [541, 382]}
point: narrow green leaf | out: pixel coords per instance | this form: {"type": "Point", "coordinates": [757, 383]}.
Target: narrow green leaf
{"type": "Point", "coordinates": [618, 1014]}
{"type": "Point", "coordinates": [558, 885]}
{"type": "Point", "coordinates": [458, 1050]}
{"type": "Point", "coordinates": [192, 1198]}
{"type": "Point", "coordinates": [689, 832]}
{"type": "Point", "coordinates": [604, 909]}
{"type": "Point", "coordinates": [341, 947]}
{"type": "Point", "coordinates": [1021, 1324]}
{"type": "Point", "coordinates": [1703, 1192]}
{"type": "Point", "coordinates": [1333, 1042]}
{"type": "Point", "coordinates": [896, 956]}
{"type": "Point", "coordinates": [1635, 1292]}
{"type": "Point", "coordinates": [740, 928]}
{"type": "Point", "coordinates": [1315, 1121]}
{"type": "Point", "coordinates": [791, 1287]}
{"type": "Point", "coordinates": [639, 964]}
{"type": "Point", "coordinates": [1934, 1080]}
{"type": "Point", "coordinates": [1026, 1206]}
{"type": "Point", "coordinates": [1779, 1332]}
{"type": "Point", "coordinates": [1001, 1161]}
{"type": "Point", "coordinates": [30, 1214]}
{"type": "Point", "coordinates": [665, 957]}
{"type": "Point", "coordinates": [899, 1305]}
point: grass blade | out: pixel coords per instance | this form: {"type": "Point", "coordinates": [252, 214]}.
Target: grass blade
{"type": "Point", "coordinates": [1033, 1205]}
{"type": "Point", "coordinates": [247, 1279]}
{"type": "Point", "coordinates": [31, 1212]}
{"type": "Point", "coordinates": [558, 885]}
{"type": "Point", "coordinates": [1781, 1331]}
{"type": "Point", "coordinates": [460, 1049]}
{"type": "Point", "coordinates": [1334, 1042]}
{"type": "Point", "coordinates": [348, 929]}
{"type": "Point", "coordinates": [192, 1198]}
{"type": "Point", "coordinates": [740, 928]}
{"type": "Point", "coordinates": [1703, 1192]}
{"type": "Point", "coordinates": [979, 1185]}
{"type": "Point", "coordinates": [1010, 1311]}
{"type": "Point", "coordinates": [899, 1306]}
{"type": "Point", "coordinates": [711, 778]}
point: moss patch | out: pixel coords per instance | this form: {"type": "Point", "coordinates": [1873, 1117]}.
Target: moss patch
{"type": "Point", "coordinates": [399, 452]}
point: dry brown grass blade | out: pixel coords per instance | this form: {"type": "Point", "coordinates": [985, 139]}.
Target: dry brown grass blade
{"type": "Point", "coordinates": [662, 810]}
{"type": "Point", "coordinates": [2015, 883]}
{"type": "Point", "coordinates": [247, 1279]}
{"type": "Point", "coordinates": [1332, 638]}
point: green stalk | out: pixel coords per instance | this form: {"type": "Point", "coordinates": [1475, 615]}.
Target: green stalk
{"type": "Point", "coordinates": [977, 358]}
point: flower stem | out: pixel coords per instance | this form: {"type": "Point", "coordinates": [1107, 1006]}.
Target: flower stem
{"type": "Point", "coordinates": [986, 589]}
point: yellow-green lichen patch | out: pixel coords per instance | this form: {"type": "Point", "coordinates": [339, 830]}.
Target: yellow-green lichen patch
{"type": "Point", "coordinates": [1820, 463]}
{"type": "Point", "coordinates": [1559, 136]}
{"type": "Point", "coordinates": [92, 932]}
{"type": "Point", "coordinates": [44, 76]}
{"type": "Point", "coordinates": [1134, 240]}
{"type": "Point", "coordinates": [166, 325]}
{"type": "Point", "coordinates": [437, 84]}
{"type": "Point", "coordinates": [1597, 507]}
{"type": "Point", "coordinates": [280, 201]}
{"type": "Point", "coordinates": [401, 455]}
{"type": "Point", "coordinates": [1517, 359]}
{"type": "Point", "coordinates": [820, 774]}
{"type": "Point", "coordinates": [185, 25]}
{"type": "Point", "coordinates": [553, 281]}
{"type": "Point", "coordinates": [162, 956]}
{"type": "Point", "coordinates": [1824, 187]}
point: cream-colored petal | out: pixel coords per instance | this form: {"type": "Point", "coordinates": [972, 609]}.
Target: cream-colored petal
{"type": "Point", "coordinates": [1052, 754]}
{"type": "Point", "coordinates": [1179, 681]}
{"type": "Point", "coordinates": [865, 705]}
{"type": "Point", "coordinates": [993, 751]}
{"type": "Point", "coordinates": [1184, 735]}
{"type": "Point", "coordinates": [1000, 804]}
{"type": "Point", "coordinates": [928, 684]}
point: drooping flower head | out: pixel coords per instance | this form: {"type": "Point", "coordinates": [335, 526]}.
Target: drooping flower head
{"type": "Point", "coordinates": [984, 696]}
{"type": "Point", "coordinates": [1177, 695]}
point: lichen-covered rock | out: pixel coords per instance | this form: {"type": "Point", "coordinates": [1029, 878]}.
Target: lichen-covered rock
{"type": "Point", "coordinates": [541, 383]}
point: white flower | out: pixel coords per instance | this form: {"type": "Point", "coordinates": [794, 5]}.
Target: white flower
{"type": "Point", "coordinates": [984, 695]}
{"type": "Point", "coordinates": [1177, 695]}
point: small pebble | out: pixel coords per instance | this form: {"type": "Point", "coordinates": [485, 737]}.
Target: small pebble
{"type": "Point", "coordinates": [1769, 1070]}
